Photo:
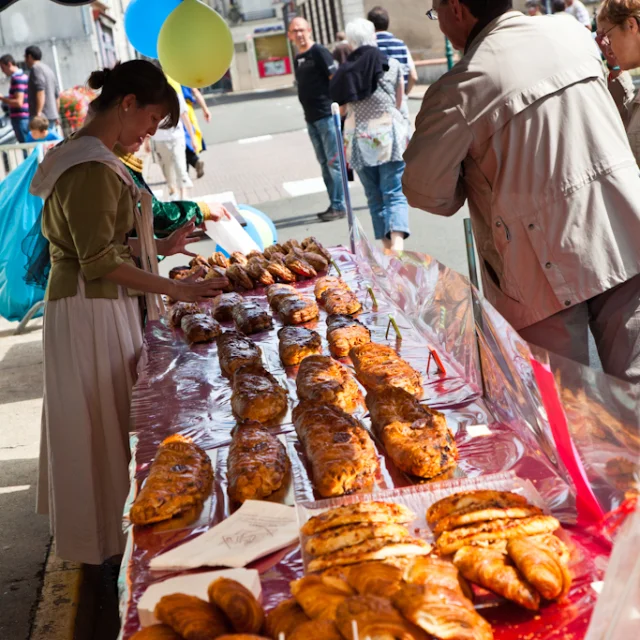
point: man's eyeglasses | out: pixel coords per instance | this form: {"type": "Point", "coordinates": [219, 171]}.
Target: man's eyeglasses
{"type": "Point", "coordinates": [604, 37]}
{"type": "Point", "coordinates": [432, 14]}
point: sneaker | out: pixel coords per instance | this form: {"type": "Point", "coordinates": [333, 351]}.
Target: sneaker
{"type": "Point", "coordinates": [200, 168]}
{"type": "Point", "coordinates": [332, 214]}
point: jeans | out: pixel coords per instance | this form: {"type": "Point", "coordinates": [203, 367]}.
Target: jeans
{"type": "Point", "coordinates": [20, 128]}
{"type": "Point", "coordinates": [387, 204]}
{"type": "Point", "coordinates": [323, 138]}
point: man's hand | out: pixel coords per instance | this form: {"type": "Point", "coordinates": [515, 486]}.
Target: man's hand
{"type": "Point", "coordinates": [178, 241]}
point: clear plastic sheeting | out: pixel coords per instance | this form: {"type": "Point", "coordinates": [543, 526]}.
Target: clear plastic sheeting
{"type": "Point", "coordinates": [487, 391]}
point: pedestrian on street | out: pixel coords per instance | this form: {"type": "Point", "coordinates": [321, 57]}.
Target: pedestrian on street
{"type": "Point", "coordinates": [17, 100]}
{"type": "Point", "coordinates": [576, 9]}
{"type": "Point", "coordinates": [195, 145]}
{"type": "Point", "coordinates": [43, 89]}
{"type": "Point", "coordinates": [618, 36]}
{"type": "Point", "coordinates": [92, 321]}
{"type": "Point", "coordinates": [393, 47]}
{"type": "Point", "coordinates": [371, 85]}
{"type": "Point", "coordinates": [39, 131]}
{"type": "Point", "coordinates": [314, 67]}
{"type": "Point", "coordinates": [539, 151]}
{"type": "Point", "coordinates": [171, 146]}
{"type": "Point", "coordinates": [342, 49]}
{"type": "Point", "coordinates": [533, 8]}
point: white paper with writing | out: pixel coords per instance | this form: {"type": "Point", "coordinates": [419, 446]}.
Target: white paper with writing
{"type": "Point", "coordinates": [255, 530]}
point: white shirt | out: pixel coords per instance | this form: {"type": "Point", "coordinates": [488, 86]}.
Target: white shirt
{"type": "Point", "coordinates": [540, 152]}
{"type": "Point", "coordinates": [579, 12]}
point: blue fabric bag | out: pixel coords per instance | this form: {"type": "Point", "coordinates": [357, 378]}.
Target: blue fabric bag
{"type": "Point", "coordinates": [20, 212]}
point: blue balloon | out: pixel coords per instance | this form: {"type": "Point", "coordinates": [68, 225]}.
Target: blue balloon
{"type": "Point", "coordinates": [143, 20]}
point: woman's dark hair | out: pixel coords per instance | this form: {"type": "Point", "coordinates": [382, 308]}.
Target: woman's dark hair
{"type": "Point", "coordinates": [141, 79]}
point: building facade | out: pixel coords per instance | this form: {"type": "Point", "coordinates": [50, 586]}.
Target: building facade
{"type": "Point", "coordinates": [74, 40]}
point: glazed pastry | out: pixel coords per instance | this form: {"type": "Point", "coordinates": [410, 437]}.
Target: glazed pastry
{"type": "Point", "coordinates": [255, 254]}
{"type": "Point", "coordinates": [192, 618]}
{"type": "Point", "coordinates": [238, 258]}
{"type": "Point", "coordinates": [416, 438]}
{"type": "Point", "coordinates": [199, 261]}
{"type": "Point", "coordinates": [296, 343]}
{"type": "Point", "coordinates": [442, 613]}
{"type": "Point", "coordinates": [316, 247]}
{"type": "Point", "coordinates": [222, 309]}
{"type": "Point", "coordinates": [324, 380]}
{"type": "Point", "coordinates": [257, 465]}
{"type": "Point", "coordinates": [316, 630]}
{"type": "Point", "coordinates": [279, 270]}
{"type": "Point", "coordinates": [242, 636]}
{"type": "Point", "coordinates": [274, 248]}
{"type": "Point", "coordinates": [156, 632]}
{"type": "Point", "coordinates": [344, 333]}
{"type": "Point", "coordinates": [317, 261]}
{"type": "Point", "coordinates": [494, 530]}
{"type": "Point", "coordinates": [309, 240]}
{"type": "Point", "coordinates": [318, 598]}
{"type": "Point", "coordinates": [379, 366]}
{"type": "Point", "coordinates": [179, 273]}
{"type": "Point", "coordinates": [494, 571]}
{"type": "Point", "coordinates": [278, 292]}
{"type": "Point", "coordinates": [218, 259]}
{"type": "Point", "coordinates": [351, 535]}
{"type": "Point", "coordinates": [180, 478]}
{"type": "Point", "coordinates": [370, 512]}
{"type": "Point", "coordinates": [257, 394]}
{"type": "Point", "coordinates": [375, 618]}
{"type": "Point", "coordinates": [437, 572]}
{"type": "Point", "coordinates": [219, 272]}
{"type": "Point", "coordinates": [235, 350]}
{"type": "Point", "coordinates": [284, 619]}
{"type": "Point", "coordinates": [340, 302]}
{"type": "Point", "coordinates": [472, 501]}
{"type": "Point", "coordinates": [297, 310]}
{"type": "Point", "coordinates": [485, 514]}
{"type": "Point", "coordinates": [238, 604]}
{"type": "Point", "coordinates": [179, 310]}
{"type": "Point", "coordinates": [200, 327]}
{"type": "Point", "coordinates": [240, 278]}
{"type": "Point", "coordinates": [299, 266]}
{"type": "Point", "coordinates": [376, 549]}
{"type": "Point", "coordinates": [257, 270]}
{"type": "Point", "coordinates": [340, 452]}
{"type": "Point", "coordinates": [540, 567]}
{"type": "Point", "coordinates": [375, 579]}
{"type": "Point", "coordinates": [290, 245]}
{"type": "Point", "coordinates": [250, 318]}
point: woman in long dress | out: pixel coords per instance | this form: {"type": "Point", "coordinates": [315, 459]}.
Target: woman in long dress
{"type": "Point", "coordinates": [92, 323]}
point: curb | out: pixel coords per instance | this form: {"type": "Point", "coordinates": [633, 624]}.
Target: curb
{"type": "Point", "coordinates": [57, 607]}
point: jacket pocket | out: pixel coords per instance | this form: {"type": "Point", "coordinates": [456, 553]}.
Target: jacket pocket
{"type": "Point", "coordinates": [507, 249]}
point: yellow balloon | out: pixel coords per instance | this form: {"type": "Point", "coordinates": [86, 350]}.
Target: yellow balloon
{"type": "Point", "coordinates": [195, 45]}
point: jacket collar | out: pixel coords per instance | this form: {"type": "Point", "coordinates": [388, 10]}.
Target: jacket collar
{"type": "Point", "coordinates": [485, 26]}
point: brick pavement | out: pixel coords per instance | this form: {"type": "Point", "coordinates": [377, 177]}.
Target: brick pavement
{"type": "Point", "coordinates": [255, 171]}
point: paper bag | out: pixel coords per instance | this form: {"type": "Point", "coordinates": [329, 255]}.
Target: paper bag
{"type": "Point", "coordinates": [230, 235]}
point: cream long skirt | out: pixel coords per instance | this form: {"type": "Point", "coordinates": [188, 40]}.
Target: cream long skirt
{"type": "Point", "coordinates": [91, 347]}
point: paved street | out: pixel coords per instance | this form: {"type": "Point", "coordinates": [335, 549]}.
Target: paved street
{"type": "Point", "coordinates": [259, 151]}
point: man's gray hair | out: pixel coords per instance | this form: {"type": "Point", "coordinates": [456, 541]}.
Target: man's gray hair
{"type": "Point", "coordinates": [361, 32]}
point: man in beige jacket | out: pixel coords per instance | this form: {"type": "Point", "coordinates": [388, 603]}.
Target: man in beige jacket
{"type": "Point", "coordinates": [524, 128]}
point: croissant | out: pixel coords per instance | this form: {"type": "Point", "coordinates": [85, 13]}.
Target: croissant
{"type": "Point", "coordinates": [316, 630]}
{"type": "Point", "coordinates": [238, 604]}
{"type": "Point", "coordinates": [375, 579]}
{"type": "Point", "coordinates": [257, 269]}
{"type": "Point", "coordinates": [156, 632]}
{"type": "Point", "coordinates": [192, 618]}
{"type": "Point", "coordinates": [441, 612]}
{"type": "Point", "coordinates": [238, 275]}
{"type": "Point", "coordinates": [238, 258]}
{"type": "Point", "coordinates": [436, 572]}
{"type": "Point", "coordinates": [218, 259]}
{"type": "Point", "coordinates": [375, 618]}
{"type": "Point", "coordinates": [284, 619]}
{"type": "Point", "coordinates": [541, 567]}
{"type": "Point", "coordinates": [274, 248]}
{"type": "Point", "coordinates": [493, 570]}
{"type": "Point", "coordinates": [319, 598]}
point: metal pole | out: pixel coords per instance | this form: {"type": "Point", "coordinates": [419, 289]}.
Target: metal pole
{"type": "Point", "coordinates": [448, 51]}
{"type": "Point", "coordinates": [56, 63]}
{"type": "Point", "coordinates": [337, 124]}
{"type": "Point", "coordinates": [471, 255]}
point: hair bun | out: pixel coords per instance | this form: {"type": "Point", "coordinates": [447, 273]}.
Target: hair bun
{"type": "Point", "coordinates": [99, 78]}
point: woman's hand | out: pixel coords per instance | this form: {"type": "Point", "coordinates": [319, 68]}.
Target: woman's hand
{"type": "Point", "coordinates": [188, 290]}
{"type": "Point", "coordinates": [178, 241]}
{"type": "Point", "coordinates": [207, 115]}
{"type": "Point", "coordinates": [216, 211]}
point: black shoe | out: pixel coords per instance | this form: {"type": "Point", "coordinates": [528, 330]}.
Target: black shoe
{"type": "Point", "coordinates": [324, 213]}
{"type": "Point", "coordinates": [332, 214]}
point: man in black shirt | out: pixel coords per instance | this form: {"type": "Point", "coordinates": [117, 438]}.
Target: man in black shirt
{"type": "Point", "coordinates": [314, 67]}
